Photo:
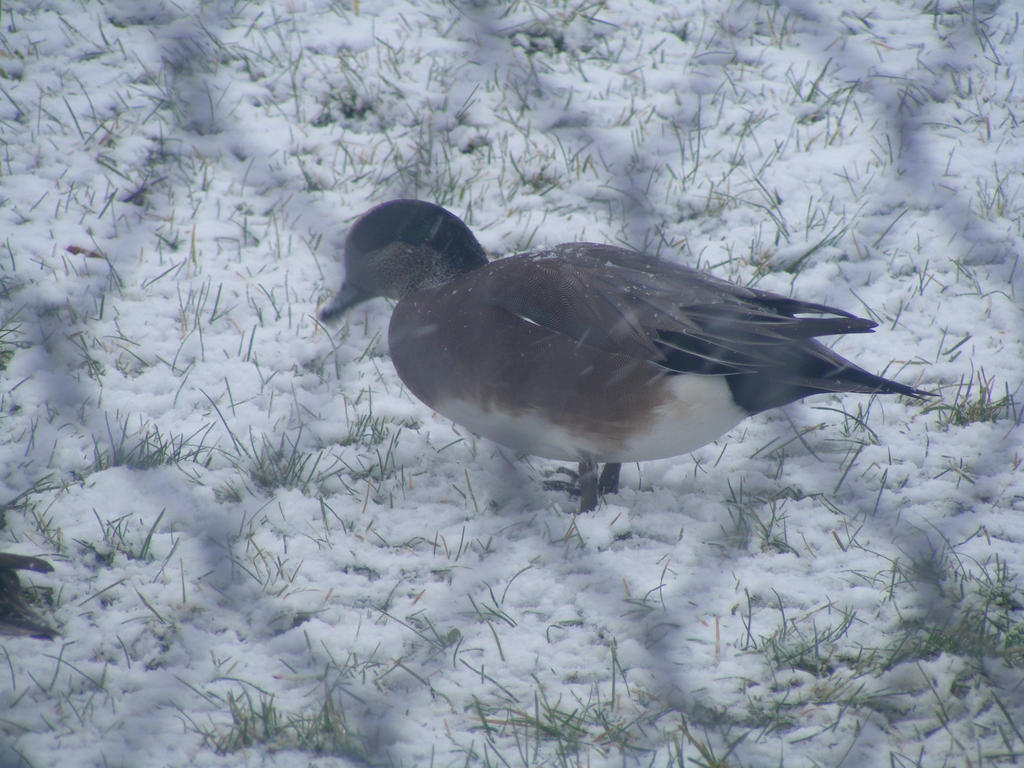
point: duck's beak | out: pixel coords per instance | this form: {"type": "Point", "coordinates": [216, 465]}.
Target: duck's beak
{"type": "Point", "coordinates": [341, 302]}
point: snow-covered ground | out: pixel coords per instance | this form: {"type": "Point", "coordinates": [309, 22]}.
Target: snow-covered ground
{"type": "Point", "coordinates": [268, 553]}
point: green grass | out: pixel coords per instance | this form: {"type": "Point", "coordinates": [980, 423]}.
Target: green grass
{"type": "Point", "coordinates": [974, 614]}
{"type": "Point", "coordinates": [977, 399]}
{"type": "Point", "coordinates": [259, 723]}
{"type": "Point", "coordinates": [10, 333]}
{"type": "Point", "coordinates": [146, 447]}
{"type": "Point", "coordinates": [273, 465]}
{"type": "Point", "coordinates": [118, 537]}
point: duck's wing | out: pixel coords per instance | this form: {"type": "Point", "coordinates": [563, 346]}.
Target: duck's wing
{"type": "Point", "coordinates": [631, 304]}
{"type": "Point", "coordinates": [683, 320]}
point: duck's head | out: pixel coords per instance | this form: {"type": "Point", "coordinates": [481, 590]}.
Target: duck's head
{"type": "Point", "coordinates": [402, 246]}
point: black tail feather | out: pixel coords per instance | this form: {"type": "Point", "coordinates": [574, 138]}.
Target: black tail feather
{"type": "Point", "coordinates": [810, 371]}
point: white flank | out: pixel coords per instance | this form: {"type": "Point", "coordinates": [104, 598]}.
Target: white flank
{"type": "Point", "coordinates": [700, 410]}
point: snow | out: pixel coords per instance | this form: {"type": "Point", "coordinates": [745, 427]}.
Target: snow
{"type": "Point", "coordinates": [176, 181]}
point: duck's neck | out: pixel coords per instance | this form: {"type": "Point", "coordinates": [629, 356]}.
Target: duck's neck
{"type": "Point", "coordinates": [418, 267]}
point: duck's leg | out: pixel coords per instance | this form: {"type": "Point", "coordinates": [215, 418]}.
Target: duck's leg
{"type": "Point", "coordinates": [609, 481]}
{"type": "Point", "coordinates": [588, 486]}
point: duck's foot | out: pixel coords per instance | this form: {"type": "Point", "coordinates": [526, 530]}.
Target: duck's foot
{"type": "Point", "coordinates": [586, 483]}
{"type": "Point", "coordinates": [571, 485]}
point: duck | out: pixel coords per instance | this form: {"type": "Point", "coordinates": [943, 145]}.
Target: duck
{"type": "Point", "coordinates": [16, 617]}
{"type": "Point", "coordinates": [583, 352]}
